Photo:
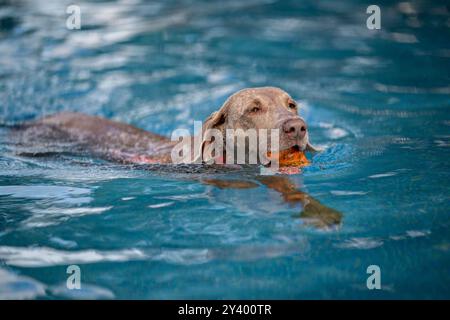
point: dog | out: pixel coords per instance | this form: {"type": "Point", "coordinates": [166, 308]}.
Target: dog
{"type": "Point", "coordinates": [252, 108]}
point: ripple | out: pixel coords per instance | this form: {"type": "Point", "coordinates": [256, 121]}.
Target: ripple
{"type": "Point", "coordinates": [332, 160]}
{"type": "Point", "coordinates": [40, 192]}
{"type": "Point", "coordinates": [374, 112]}
{"type": "Point", "coordinates": [33, 257]}
{"type": "Point", "coordinates": [184, 197]}
{"type": "Point", "coordinates": [161, 205]}
{"type": "Point", "coordinates": [332, 131]}
{"type": "Point", "coordinates": [67, 244]}
{"type": "Point", "coordinates": [442, 143]}
{"type": "Point", "coordinates": [184, 256]}
{"type": "Point", "coordinates": [336, 133]}
{"type": "Point", "coordinates": [55, 215]}
{"type": "Point", "coordinates": [86, 292]}
{"type": "Point", "coordinates": [348, 193]}
{"type": "Point", "coordinates": [36, 257]}
{"type": "Point", "coordinates": [16, 287]}
{"type": "Point", "coordinates": [360, 243]}
{"type": "Point", "coordinates": [402, 37]}
{"type": "Point", "coordinates": [411, 90]}
{"type": "Point", "coordinates": [257, 252]}
{"type": "Point", "coordinates": [383, 175]}
{"type": "Point", "coordinates": [407, 8]}
{"type": "Point", "coordinates": [417, 233]}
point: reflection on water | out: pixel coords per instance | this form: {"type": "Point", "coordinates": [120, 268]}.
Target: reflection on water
{"type": "Point", "coordinates": [376, 101]}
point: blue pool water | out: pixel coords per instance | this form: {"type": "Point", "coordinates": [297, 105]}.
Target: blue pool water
{"type": "Point", "coordinates": [377, 101]}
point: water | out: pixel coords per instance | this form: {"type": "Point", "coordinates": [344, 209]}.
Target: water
{"type": "Point", "coordinates": [376, 100]}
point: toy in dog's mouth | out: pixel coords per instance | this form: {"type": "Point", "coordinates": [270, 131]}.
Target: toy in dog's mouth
{"type": "Point", "coordinates": [291, 157]}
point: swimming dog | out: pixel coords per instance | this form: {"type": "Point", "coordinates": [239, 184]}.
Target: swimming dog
{"type": "Point", "coordinates": [266, 108]}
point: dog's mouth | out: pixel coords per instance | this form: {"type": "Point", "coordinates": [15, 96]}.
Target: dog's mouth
{"type": "Point", "coordinates": [290, 157]}
{"type": "Point", "coordinates": [294, 148]}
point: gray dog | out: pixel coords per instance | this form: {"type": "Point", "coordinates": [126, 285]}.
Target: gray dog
{"type": "Point", "coordinates": [253, 108]}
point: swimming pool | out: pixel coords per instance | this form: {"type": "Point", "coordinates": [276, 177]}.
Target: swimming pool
{"type": "Point", "coordinates": [377, 101]}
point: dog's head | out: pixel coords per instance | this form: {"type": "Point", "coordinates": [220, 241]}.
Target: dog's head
{"type": "Point", "coordinates": [260, 108]}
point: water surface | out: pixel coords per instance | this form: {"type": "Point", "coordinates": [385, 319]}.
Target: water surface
{"type": "Point", "coordinates": [377, 101]}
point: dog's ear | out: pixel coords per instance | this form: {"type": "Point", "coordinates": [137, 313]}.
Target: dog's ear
{"type": "Point", "coordinates": [216, 120]}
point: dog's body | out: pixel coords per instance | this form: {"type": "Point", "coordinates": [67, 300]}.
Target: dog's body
{"type": "Point", "coordinates": [255, 108]}
{"type": "Point", "coordinates": [80, 133]}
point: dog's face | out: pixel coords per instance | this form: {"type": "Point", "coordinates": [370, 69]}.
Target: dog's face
{"type": "Point", "coordinates": [261, 108]}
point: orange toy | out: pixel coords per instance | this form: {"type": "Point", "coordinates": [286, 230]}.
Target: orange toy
{"type": "Point", "coordinates": [291, 157]}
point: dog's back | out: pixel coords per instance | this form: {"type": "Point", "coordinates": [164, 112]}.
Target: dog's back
{"type": "Point", "coordinates": [80, 133]}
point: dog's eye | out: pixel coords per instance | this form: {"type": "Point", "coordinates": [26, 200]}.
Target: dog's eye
{"type": "Point", "coordinates": [255, 109]}
{"type": "Point", "coordinates": [292, 105]}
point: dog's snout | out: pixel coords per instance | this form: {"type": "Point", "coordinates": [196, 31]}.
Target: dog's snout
{"type": "Point", "coordinates": [295, 128]}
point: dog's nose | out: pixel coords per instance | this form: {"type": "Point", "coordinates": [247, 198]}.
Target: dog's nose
{"type": "Point", "coordinates": [295, 128]}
